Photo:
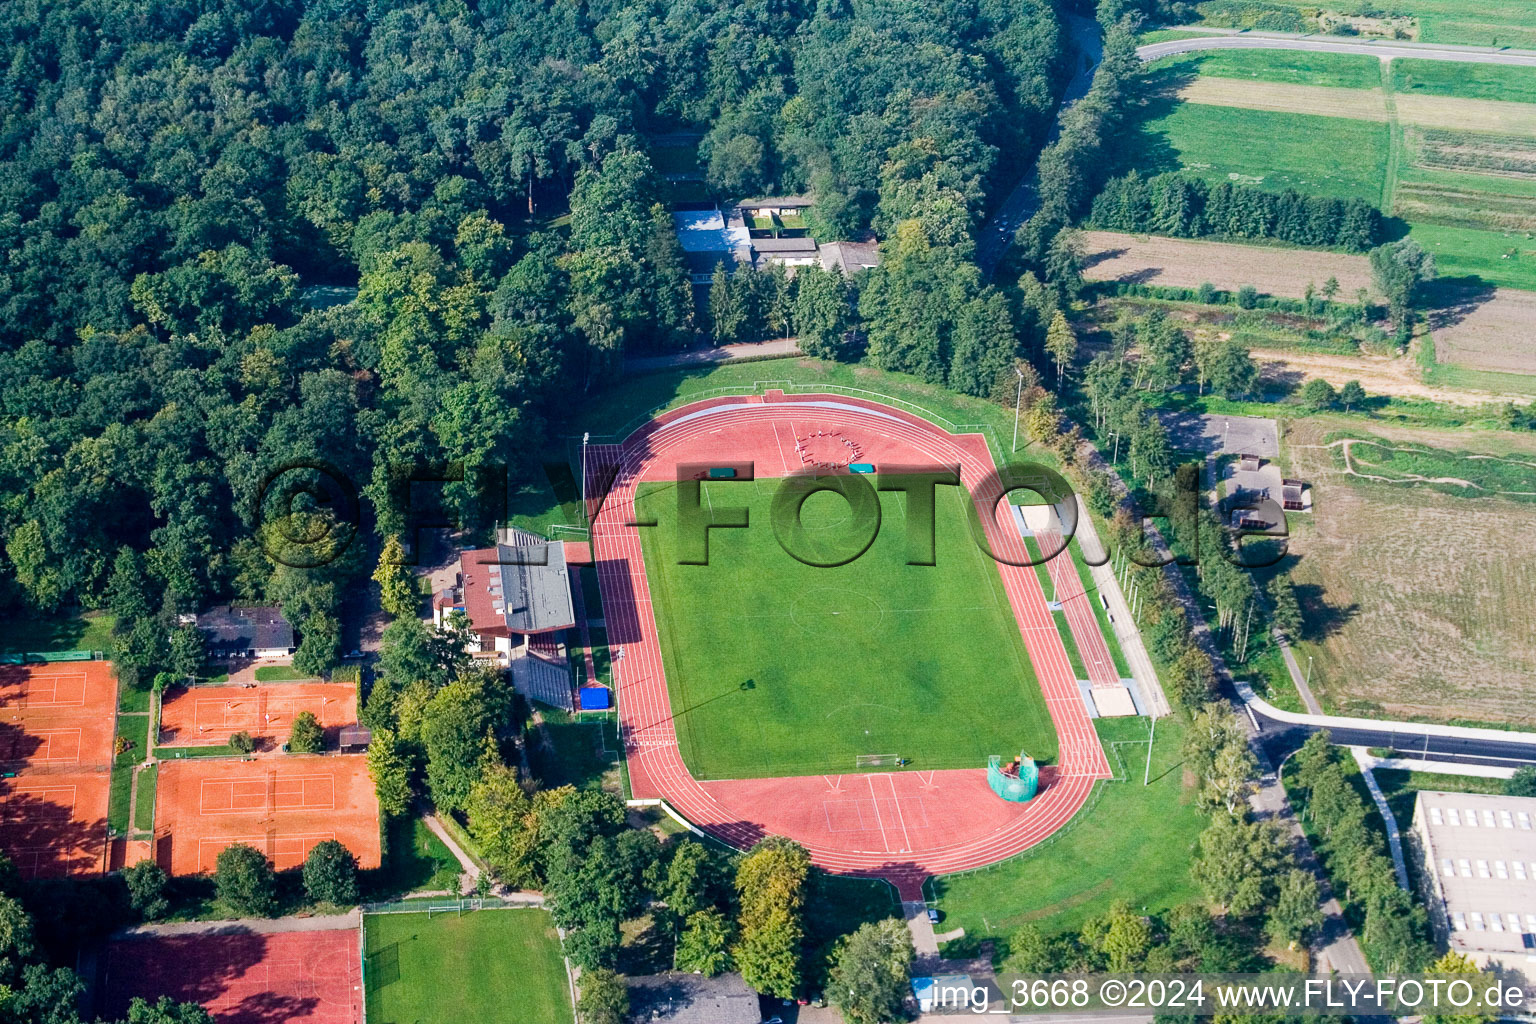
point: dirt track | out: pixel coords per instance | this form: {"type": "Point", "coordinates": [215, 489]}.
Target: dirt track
{"type": "Point", "coordinates": [1379, 375]}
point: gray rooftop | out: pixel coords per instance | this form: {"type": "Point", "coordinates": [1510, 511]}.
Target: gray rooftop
{"type": "Point", "coordinates": [692, 999]}
{"type": "Point", "coordinates": [805, 245]}
{"type": "Point", "coordinates": [535, 586]}
{"type": "Point", "coordinates": [776, 203]}
{"type": "Point", "coordinates": [849, 257]}
{"type": "Point", "coordinates": [242, 628]}
{"type": "Point", "coordinates": [1482, 850]}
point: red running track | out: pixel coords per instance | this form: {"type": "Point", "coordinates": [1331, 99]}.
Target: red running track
{"type": "Point", "coordinates": [900, 826]}
{"type": "Point", "coordinates": [1081, 619]}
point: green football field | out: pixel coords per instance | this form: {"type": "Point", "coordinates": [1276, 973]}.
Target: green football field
{"type": "Point", "coordinates": [489, 966]}
{"type": "Point", "coordinates": [776, 667]}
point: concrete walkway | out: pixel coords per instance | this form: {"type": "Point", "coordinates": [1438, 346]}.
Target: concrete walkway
{"type": "Point", "coordinates": [1414, 764]}
{"type": "Point", "coordinates": [924, 942]}
{"type": "Point", "coordinates": [1302, 687]}
{"type": "Point", "coordinates": [711, 356]}
{"type": "Point", "coordinates": [471, 869]}
{"type": "Point", "coordinates": [1139, 662]}
{"type": "Point", "coordinates": [259, 925]}
{"type": "Point", "coordinates": [1394, 836]}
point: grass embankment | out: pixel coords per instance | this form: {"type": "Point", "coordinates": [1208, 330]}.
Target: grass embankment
{"type": "Point", "coordinates": [144, 799]}
{"type": "Point", "coordinates": [581, 752]}
{"type": "Point", "coordinates": [132, 735]}
{"type": "Point", "coordinates": [281, 674]}
{"type": "Point", "coordinates": [1131, 842]}
{"type": "Point", "coordinates": [42, 634]}
{"type": "Point", "coordinates": [415, 860]}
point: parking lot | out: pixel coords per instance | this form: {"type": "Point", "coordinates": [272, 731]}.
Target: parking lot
{"type": "Point", "coordinates": [1213, 434]}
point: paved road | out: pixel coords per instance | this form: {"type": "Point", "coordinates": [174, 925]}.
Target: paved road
{"type": "Point", "coordinates": [1284, 729]}
{"type": "Point", "coordinates": [997, 234]}
{"type": "Point", "coordinates": [1386, 49]}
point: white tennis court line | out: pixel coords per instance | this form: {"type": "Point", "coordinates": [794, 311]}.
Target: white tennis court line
{"type": "Point", "coordinates": [234, 788]}
{"type": "Point", "coordinates": [45, 794]}
{"type": "Point", "coordinates": [281, 787]}
{"type": "Point", "coordinates": [33, 689]}
{"type": "Point", "coordinates": [281, 845]}
{"type": "Point", "coordinates": [304, 804]}
{"type": "Point", "coordinates": [45, 754]}
{"type": "Point", "coordinates": [250, 711]}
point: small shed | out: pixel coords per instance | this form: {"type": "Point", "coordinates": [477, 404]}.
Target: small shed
{"type": "Point", "coordinates": [354, 738]}
{"type": "Point", "coordinates": [943, 992]}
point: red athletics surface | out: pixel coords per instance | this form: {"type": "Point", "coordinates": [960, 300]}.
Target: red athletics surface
{"type": "Point", "coordinates": [901, 826]}
{"type": "Point", "coordinates": [1068, 589]}
{"type": "Point", "coordinates": [241, 976]}
{"type": "Point", "coordinates": [56, 735]}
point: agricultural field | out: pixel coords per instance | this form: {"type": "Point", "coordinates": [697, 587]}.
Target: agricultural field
{"type": "Point", "coordinates": [1489, 334]}
{"type": "Point", "coordinates": [1448, 148]}
{"type": "Point", "coordinates": [1418, 603]}
{"type": "Point", "coordinates": [1188, 263]}
{"type": "Point", "coordinates": [1339, 70]}
{"type": "Point", "coordinates": [1332, 156]}
{"type": "Point", "coordinates": [780, 668]}
{"type": "Point", "coordinates": [1474, 81]}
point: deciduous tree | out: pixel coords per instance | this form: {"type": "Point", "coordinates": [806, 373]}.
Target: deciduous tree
{"type": "Point", "coordinates": [871, 972]}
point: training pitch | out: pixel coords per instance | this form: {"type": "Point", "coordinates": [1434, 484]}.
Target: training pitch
{"type": "Point", "coordinates": [776, 667]}
{"type": "Point", "coordinates": [488, 966]}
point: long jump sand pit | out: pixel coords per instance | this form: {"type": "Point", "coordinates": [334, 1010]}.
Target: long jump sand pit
{"type": "Point", "coordinates": [56, 737]}
{"type": "Point", "coordinates": [1186, 263]}
{"type": "Point", "coordinates": [281, 806]}
{"type": "Point", "coordinates": [209, 715]}
{"type": "Point", "coordinates": [241, 976]}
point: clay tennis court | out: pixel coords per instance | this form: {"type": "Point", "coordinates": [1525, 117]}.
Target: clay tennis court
{"type": "Point", "coordinates": [209, 715]}
{"type": "Point", "coordinates": [56, 724]}
{"type": "Point", "coordinates": [241, 976]}
{"type": "Point", "coordinates": [281, 806]}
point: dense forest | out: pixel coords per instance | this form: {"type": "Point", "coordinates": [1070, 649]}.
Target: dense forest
{"type": "Point", "coordinates": [179, 177]}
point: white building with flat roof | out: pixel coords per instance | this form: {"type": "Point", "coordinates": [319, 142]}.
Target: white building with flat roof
{"type": "Point", "coordinates": [1477, 869]}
